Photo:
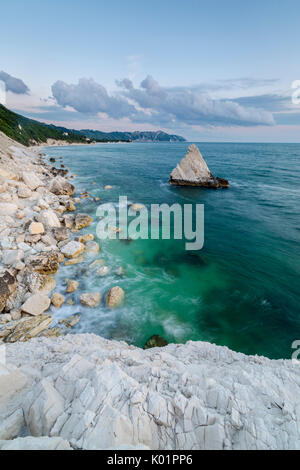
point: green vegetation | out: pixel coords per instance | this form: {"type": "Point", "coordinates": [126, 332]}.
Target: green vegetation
{"type": "Point", "coordinates": [137, 136]}
{"type": "Point", "coordinates": [30, 132]}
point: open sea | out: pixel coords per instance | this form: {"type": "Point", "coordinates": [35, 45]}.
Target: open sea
{"type": "Point", "coordinates": [241, 290]}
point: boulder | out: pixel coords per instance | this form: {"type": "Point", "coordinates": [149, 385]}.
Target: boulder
{"type": "Point", "coordinates": [68, 220]}
{"type": "Point", "coordinates": [60, 186]}
{"type": "Point", "coordinates": [24, 191]}
{"type": "Point", "coordinates": [91, 299]}
{"type": "Point", "coordinates": [61, 233]}
{"type": "Point", "coordinates": [115, 297]}
{"type": "Point", "coordinates": [85, 238]}
{"type": "Point", "coordinates": [48, 240]}
{"type": "Point", "coordinates": [156, 341]}
{"type": "Point", "coordinates": [57, 299]}
{"type": "Point", "coordinates": [193, 171]}
{"type": "Point", "coordinates": [36, 228]}
{"type": "Point", "coordinates": [44, 284]}
{"type": "Point", "coordinates": [49, 219]}
{"type": "Point", "coordinates": [45, 263]}
{"type": "Point", "coordinates": [31, 180]}
{"type": "Point", "coordinates": [82, 220]}
{"type": "Point", "coordinates": [36, 304]}
{"type": "Point", "coordinates": [10, 257]}
{"type": "Point", "coordinates": [7, 287]}
{"type": "Point", "coordinates": [7, 208]}
{"type": "Point", "coordinates": [72, 249]}
{"type": "Point", "coordinates": [72, 286]}
{"type": "Point", "coordinates": [103, 271]}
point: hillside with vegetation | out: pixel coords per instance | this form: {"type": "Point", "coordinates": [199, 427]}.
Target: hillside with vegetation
{"type": "Point", "coordinates": [137, 136]}
{"type": "Point", "coordinates": [29, 132]}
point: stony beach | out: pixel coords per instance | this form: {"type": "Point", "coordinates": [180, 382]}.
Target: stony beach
{"type": "Point", "coordinates": [60, 391]}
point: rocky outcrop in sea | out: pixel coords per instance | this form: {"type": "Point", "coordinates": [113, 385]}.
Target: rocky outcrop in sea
{"type": "Point", "coordinates": [193, 171]}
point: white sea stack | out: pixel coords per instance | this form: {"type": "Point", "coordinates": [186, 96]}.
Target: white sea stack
{"type": "Point", "coordinates": [193, 171]}
{"type": "Point", "coordinates": [36, 304]}
{"type": "Point", "coordinates": [72, 249]}
{"type": "Point", "coordinates": [31, 180]}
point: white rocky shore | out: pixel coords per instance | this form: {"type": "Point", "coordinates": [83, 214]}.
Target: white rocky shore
{"type": "Point", "coordinates": [85, 392]}
{"type": "Point", "coordinates": [99, 394]}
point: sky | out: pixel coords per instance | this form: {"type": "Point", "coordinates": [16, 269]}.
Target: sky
{"type": "Point", "coordinates": [207, 70]}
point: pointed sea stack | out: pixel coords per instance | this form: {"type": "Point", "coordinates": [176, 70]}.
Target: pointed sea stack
{"type": "Point", "coordinates": [193, 171]}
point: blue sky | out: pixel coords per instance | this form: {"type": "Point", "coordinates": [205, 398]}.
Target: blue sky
{"type": "Point", "coordinates": [209, 70]}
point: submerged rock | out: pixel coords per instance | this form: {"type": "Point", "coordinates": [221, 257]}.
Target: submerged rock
{"type": "Point", "coordinates": [115, 297]}
{"type": "Point", "coordinates": [57, 299]}
{"type": "Point", "coordinates": [193, 171]}
{"type": "Point", "coordinates": [92, 299]}
{"type": "Point", "coordinates": [156, 341]}
{"type": "Point", "coordinates": [72, 286]}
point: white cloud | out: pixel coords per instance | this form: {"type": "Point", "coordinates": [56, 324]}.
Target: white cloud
{"type": "Point", "coordinates": [152, 103]}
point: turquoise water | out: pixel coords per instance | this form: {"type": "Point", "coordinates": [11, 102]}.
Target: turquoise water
{"type": "Point", "coordinates": [241, 290]}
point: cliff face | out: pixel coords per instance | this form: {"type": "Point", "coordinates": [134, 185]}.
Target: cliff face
{"type": "Point", "coordinates": [98, 394]}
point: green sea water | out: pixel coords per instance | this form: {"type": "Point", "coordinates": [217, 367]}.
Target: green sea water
{"type": "Point", "coordinates": [241, 290]}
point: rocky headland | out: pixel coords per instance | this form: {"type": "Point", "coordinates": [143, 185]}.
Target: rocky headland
{"type": "Point", "coordinates": [193, 171]}
{"type": "Point", "coordinates": [80, 391]}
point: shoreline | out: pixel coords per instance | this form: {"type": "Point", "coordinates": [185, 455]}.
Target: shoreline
{"type": "Point", "coordinates": [104, 393]}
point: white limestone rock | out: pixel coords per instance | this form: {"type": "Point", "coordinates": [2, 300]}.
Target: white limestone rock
{"type": "Point", "coordinates": [36, 228]}
{"type": "Point", "coordinates": [72, 249]}
{"type": "Point", "coordinates": [31, 180]}
{"type": "Point", "coordinates": [36, 304]}
{"type": "Point", "coordinates": [193, 171]}
{"type": "Point", "coordinates": [35, 443]}
{"type": "Point", "coordinates": [48, 218]}
{"type": "Point", "coordinates": [100, 394]}
{"type": "Point", "coordinates": [7, 208]}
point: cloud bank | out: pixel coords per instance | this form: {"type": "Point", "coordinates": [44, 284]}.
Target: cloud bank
{"type": "Point", "coordinates": [13, 84]}
{"type": "Point", "coordinates": [152, 103]}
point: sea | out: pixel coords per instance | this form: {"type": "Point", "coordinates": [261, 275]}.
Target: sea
{"type": "Point", "coordinates": [240, 290]}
